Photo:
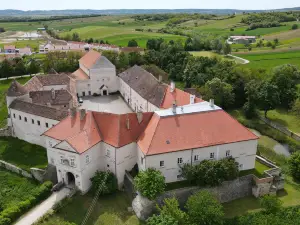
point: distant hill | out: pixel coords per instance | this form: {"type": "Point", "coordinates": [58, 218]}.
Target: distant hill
{"type": "Point", "coordinates": [11, 12]}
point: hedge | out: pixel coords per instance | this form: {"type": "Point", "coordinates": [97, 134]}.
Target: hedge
{"type": "Point", "coordinates": [8, 215]}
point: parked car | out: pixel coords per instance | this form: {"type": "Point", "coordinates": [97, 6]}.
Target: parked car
{"type": "Point", "coordinates": [58, 186]}
{"type": "Point", "coordinates": [80, 100]}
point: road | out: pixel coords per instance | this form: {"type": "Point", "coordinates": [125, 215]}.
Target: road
{"type": "Point", "coordinates": [37, 212]}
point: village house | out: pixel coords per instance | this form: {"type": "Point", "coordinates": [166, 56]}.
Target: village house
{"type": "Point", "coordinates": [241, 39]}
{"type": "Point", "coordinates": [167, 128]}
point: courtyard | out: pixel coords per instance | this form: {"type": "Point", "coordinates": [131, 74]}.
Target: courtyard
{"type": "Point", "coordinates": [109, 104]}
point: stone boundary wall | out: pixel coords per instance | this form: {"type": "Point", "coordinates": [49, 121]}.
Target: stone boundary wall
{"type": "Point", "coordinates": [228, 191]}
{"type": "Point", "coordinates": [6, 132]}
{"type": "Point", "coordinates": [33, 174]}
{"type": "Point", "coordinates": [280, 128]}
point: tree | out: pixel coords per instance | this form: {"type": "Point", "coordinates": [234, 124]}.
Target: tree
{"type": "Point", "coordinates": [268, 96]}
{"type": "Point", "coordinates": [33, 67]}
{"type": "Point", "coordinates": [161, 220]}
{"type": "Point", "coordinates": [6, 69]}
{"type": "Point", "coordinates": [226, 49]}
{"type": "Point", "coordinates": [75, 37]}
{"type": "Point", "coordinates": [271, 204]}
{"type": "Point", "coordinates": [135, 58]}
{"type": "Point", "coordinates": [294, 165]}
{"type": "Point", "coordinates": [203, 208]}
{"type": "Point", "coordinates": [276, 41]}
{"type": "Point", "coordinates": [123, 61]}
{"type": "Point", "coordinates": [112, 56]}
{"type": "Point", "coordinates": [132, 43]}
{"type": "Point", "coordinates": [296, 107]}
{"type": "Point", "coordinates": [217, 45]}
{"type": "Point", "coordinates": [20, 68]}
{"type": "Point", "coordinates": [171, 208]}
{"type": "Point", "coordinates": [90, 40]}
{"type": "Point", "coordinates": [286, 77]}
{"type": "Point", "coordinates": [150, 183]}
{"type": "Point", "coordinates": [220, 91]}
{"type": "Point", "coordinates": [295, 27]}
{"type": "Point", "coordinates": [107, 182]}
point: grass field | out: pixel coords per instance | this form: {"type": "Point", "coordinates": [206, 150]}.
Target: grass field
{"type": "Point", "coordinates": [120, 36]}
{"type": "Point", "coordinates": [14, 189]}
{"type": "Point", "coordinates": [22, 154]}
{"type": "Point", "coordinates": [109, 210]}
{"type": "Point", "coordinates": [270, 60]}
{"type": "Point", "coordinates": [4, 85]}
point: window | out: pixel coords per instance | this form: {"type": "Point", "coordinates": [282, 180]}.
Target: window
{"type": "Point", "coordinates": [227, 153]}
{"type": "Point", "coordinates": [107, 166]}
{"type": "Point", "coordinates": [90, 93]}
{"type": "Point", "coordinates": [32, 121]}
{"type": "Point", "coordinates": [142, 160]}
{"type": "Point", "coordinates": [179, 160]}
{"type": "Point", "coordinates": [72, 162]}
{"type": "Point", "coordinates": [39, 123]}
{"type": "Point", "coordinates": [14, 115]}
{"type": "Point", "coordinates": [61, 159]}
{"type": "Point", "coordinates": [53, 125]}
{"type": "Point", "coordinates": [107, 153]}
{"type": "Point", "coordinates": [196, 157]}
{"type": "Point", "coordinates": [212, 155]}
{"type": "Point", "coordinates": [65, 106]}
{"type": "Point", "coordinates": [47, 125]}
{"type": "Point", "coordinates": [83, 93]}
{"type": "Point", "coordinates": [87, 159]}
{"type": "Point", "coordinates": [25, 119]}
{"type": "Point", "coordinates": [162, 163]}
{"type": "Point", "coordinates": [20, 117]}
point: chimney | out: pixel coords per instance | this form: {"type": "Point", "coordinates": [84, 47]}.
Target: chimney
{"type": "Point", "coordinates": [127, 123]}
{"type": "Point", "coordinates": [72, 112]}
{"type": "Point", "coordinates": [211, 103]}
{"type": "Point", "coordinates": [192, 99]}
{"type": "Point", "coordinates": [52, 94]}
{"type": "Point", "coordinates": [174, 108]}
{"type": "Point", "coordinates": [172, 86]}
{"type": "Point", "coordinates": [82, 114]}
{"type": "Point", "coordinates": [160, 78]}
{"type": "Point", "coordinates": [139, 116]}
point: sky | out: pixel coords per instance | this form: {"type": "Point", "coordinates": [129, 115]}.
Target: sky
{"type": "Point", "coordinates": [146, 4]}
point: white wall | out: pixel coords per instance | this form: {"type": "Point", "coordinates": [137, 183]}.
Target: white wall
{"type": "Point", "coordinates": [81, 66]}
{"type": "Point", "coordinates": [104, 76]}
{"type": "Point", "coordinates": [243, 152]}
{"type": "Point", "coordinates": [126, 158]}
{"type": "Point", "coordinates": [28, 131]}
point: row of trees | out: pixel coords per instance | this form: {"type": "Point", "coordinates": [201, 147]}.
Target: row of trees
{"type": "Point", "coordinates": [18, 67]}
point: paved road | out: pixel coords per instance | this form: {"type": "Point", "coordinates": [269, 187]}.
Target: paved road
{"type": "Point", "coordinates": [10, 78]}
{"type": "Point", "coordinates": [37, 212]}
{"type": "Point", "coordinates": [245, 61]}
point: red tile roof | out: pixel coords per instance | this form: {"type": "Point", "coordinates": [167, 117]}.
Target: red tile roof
{"type": "Point", "coordinates": [7, 47]}
{"type": "Point", "coordinates": [98, 126]}
{"type": "Point", "coordinates": [180, 97]}
{"type": "Point", "coordinates": [80, 134]}
{"type": "Point", "coordinates": [79, 75]}
{"type": "Point", "coordinates": [90, 58]}
{"type": "Point", "coordinates": [188, 131]}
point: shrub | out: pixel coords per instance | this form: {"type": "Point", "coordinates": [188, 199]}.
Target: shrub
{"type": "Point", "coordinates": [161, 220]}
{"type": "Point", "coordinates": [295, 27]}
{"type": "Point", "coordinates": [203, 208]}
{"type": "Point", "coordinates": [270, 203]}
{"type": "Point", "coordinates": [107, 180]}
{"type": "Point", "coordinates": [150, 183]}
{"type": "Point", "coordinates": [211, 173]}
{"type": "Point", "coordinates": [294, 165]}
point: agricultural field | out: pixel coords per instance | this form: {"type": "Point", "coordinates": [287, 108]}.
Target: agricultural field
{"type": "Point", "coordinates": [109, 210]}
{"type": "Point", "coordinates": [272, 59]}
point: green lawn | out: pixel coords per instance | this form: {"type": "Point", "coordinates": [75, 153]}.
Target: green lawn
{"type": "Point", "coordinates": [290, 196]}
{"type": "Point", "coordinates": [22, 153]}
{"type": "Point", "coordinates": [109, 210]}
{"type": "Point", "coordinates": [257, 171]}
{"type": "Point", "coordinates": [285, 118]}
{"type": "Point", "coordinates": [14, 188]}
{"type": "Point", "coordinates": [271, 60]}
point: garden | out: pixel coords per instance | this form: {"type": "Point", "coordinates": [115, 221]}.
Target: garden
{"type": "Point", "coordinates": [18, 195]}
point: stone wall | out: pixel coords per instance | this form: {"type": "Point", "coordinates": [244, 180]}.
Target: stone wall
{"type": "Point", "coordinates": [15, 169]}
{"type": "Point", "coordinates": [228, 191]}
{"type": "Point", "coordinates": [128, 185]}
{"type": "Point", "coordinates": [38, 174]}
{"type": "Point", "coordinates": [6, 132]}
